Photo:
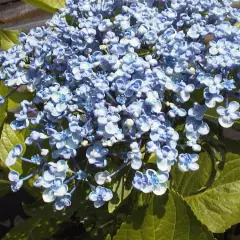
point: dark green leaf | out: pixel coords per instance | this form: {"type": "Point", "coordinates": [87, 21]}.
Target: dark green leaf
{"type": "Point", "coordinates": [121, 191]}
{"type": "Point", "coordinates": [34, 228]}
{"type": "Point", "coordinates": [17, 97]}
{"type": "Point", "coordinates": [167, 217]}
{"type": "Point", "coordinates": [188, 183]}
{"type": "Point", "coordinates": [219, 206]}
{"type": "Point", "coordinates": [4, 187]}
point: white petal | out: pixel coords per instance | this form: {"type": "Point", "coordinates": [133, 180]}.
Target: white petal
{"type": "Point", "coordinates": [189, 88]}
{"type": "Point", "coordinates": [10, 160]}
{"type": "Point", "coordinates": [163, 177]}
{"type": "Point", "coordinates": [98, 204]}
{"type": "Point", "coordinates": [160, 189]}
{"type": "Point", "coordinates": [17, 150]}
{"type": "Point", "coordinates": [213, 51]}
{"type": "Point", "coordinates": [221, 110]}
{"type": "Point", "coordinates": [108, 196]}
{"type": "Point", "coordinates": [225, 122]}
{"type": "Point", "coordinates": [48, 195]}
{"type": "Point", "coordinates": [61, 191]}
{"type": "Point", "coordinates": [163, 165]}
{"type": "Point", "coordinates": [184, 96]}
{"type": "Point", "coordinates": [233, 106]}
{"type": "Point", "coordinates": [204, 129]}
{"type": "Point", "coordinates": [111, 128]}
{"type": "Point", "coordinates": [183, 167]}
{"type": "Point", "coordinates": [134, 42]}
{"type": "Point", "coordinates": [62, 165]}
{"type": "Point", "coordinates": [93, 196]}
{"type": "Point", "coordinates": [157, 107]}
{"type": "Point", "coordinates": [101, 177]}
{"type": "Point", "coordinates": [193, 166]}
{"type": "Point", "coordinates": [147, 189]}
{"type": "Point", "coordinates": [13, 176]}
{"type": "Point", "coordinates": [136, 164]}
{"type": "Point", "coordinates": [235, 115]}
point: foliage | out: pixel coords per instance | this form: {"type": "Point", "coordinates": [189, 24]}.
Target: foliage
{"type": "Point", "coordinates": [49, 6]}
{"type": "Point", "coordinates": [117, 115]}
{"type": "Point", "coordinates": [8, 38]}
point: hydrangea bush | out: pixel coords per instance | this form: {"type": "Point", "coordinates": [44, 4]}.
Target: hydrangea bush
{"type": "Point", "coordinates": [129, 93]}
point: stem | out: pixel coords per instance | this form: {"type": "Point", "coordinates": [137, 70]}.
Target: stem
{"type": "Point", "coordinates": [26, 160]}
{"type": "Point", "coordinates": [226, 100]}
{"type": "Point", "coordinates": [70, 179]}
{"type": "Point", "coordinates": [74, 188]}
{"type": "Point", "coordinates": [118, 170]}
{"type": "Point", "coordinates": [111, 97]}
{"type": "Point", "coordinates": [90, 185]}
{"type": "Point", "coordinates": [31, 175]}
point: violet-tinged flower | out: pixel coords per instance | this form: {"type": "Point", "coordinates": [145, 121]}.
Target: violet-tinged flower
{"type": "Point", "coordinates": [16, 182]}
{"type": "Point", "coordinates": [100, 195]}
{"type": "Point", "coordinates": [197, 111]}
{"type": "Point", "coordinates": [62, 202]}
{"type": "Point", "coordinates": [188, 162]}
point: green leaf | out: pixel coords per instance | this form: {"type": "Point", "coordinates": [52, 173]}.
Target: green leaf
{"type": "Point", "coordinates": [3, 113]}
{"type": "Point", "coordinates": [38, 209]}
{"type": "Point", "coordinates": [46, 5]}
{"type": "Point", "coordinates": [108, 237]}
{"type": "Point", "coordinates": [219, 206]}
{"type": "Point", "coordinates": [152, 158]}
{"type": "Point", "coordinates": [4, 187]}
{"type": "Point", "coordinates": [188, 183]}
{"type": "Point", "coordinates": [121, 191]}
{"type": "Point", "coordinates": [167, 217]}
{"type": "Point", "coordinates": [237, 24]}
{"type": "Point", "coordinates": [17, 97]}
{"type": "Point", "coordinates": [9, 139]}
{"type": "Point", "coordinates": [34, 228]}
{"type": "Point", "coordinates": [8, 38]}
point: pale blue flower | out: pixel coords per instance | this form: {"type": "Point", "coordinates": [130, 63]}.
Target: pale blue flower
{"type": "Point", "coordinates": [228, 115]}
{"type": "Point", "coordinates": [13, 155]}
{"type": "Point", "coordinates": [188, 162]}
{"type": "Point", "coordinates": [198, 126]}
{"type": "Point", "coordinates": [100, 195]}
{"type": "Point", "coordinates": [212, 99]}
{"type": "Point", "coordinates": [96, 155]}
{"type": "Point", "coordinates": [166, 158]}
{"type": "Point", "coordinates": [135, 156]}
{"type": "Point", "coordinates": [229, 84]}
{"type": "Point", "coordinates": [157, 181]}
{"type": "Point", "coordinates": [176, 111]}
{"type": "Point", "coordinates": [140, 182]}
{"type": "Point", "coordinates": [35, 137]}
{"type": "Point", "coordinates": [197, 111]}
{"type": "Point", "coordinates": [62, 202]}
{"type": "Point", "coordinates": [16, 182]}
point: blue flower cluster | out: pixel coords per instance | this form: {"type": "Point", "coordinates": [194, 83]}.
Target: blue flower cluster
{"type": "Point", "coordinates": [111, 81]}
